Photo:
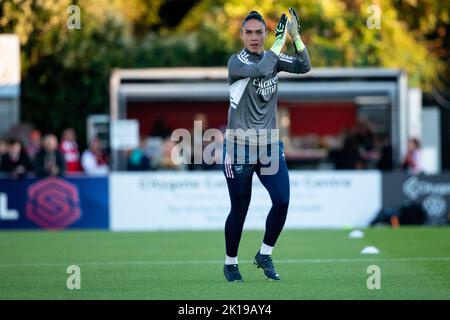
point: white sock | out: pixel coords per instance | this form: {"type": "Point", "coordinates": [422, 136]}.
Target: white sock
{"type": "Point", "coordinates": [231, 260]}
{"type": "Point", "coordinates": [265, 249]}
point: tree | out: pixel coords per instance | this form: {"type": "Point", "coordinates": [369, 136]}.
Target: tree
{"type": "Point", "coordinates": [335, 32]}
{"type": "Point", "coordinates": [66, 72]}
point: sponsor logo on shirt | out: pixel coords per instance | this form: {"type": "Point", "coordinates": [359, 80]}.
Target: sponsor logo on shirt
{"type": "Point", "coordinates": [265, 87]}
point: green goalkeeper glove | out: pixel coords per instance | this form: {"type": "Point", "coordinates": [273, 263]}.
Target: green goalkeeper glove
{"type": "Point", "coordinates": [280, 34]}
{"type": "Point", "coordinates": [293, 28]}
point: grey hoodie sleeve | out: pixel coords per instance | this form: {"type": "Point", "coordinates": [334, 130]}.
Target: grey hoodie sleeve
{"type": "Point", "coordinates": [298, 64]}
{"type": "Point", "coordinates": [240, 67]}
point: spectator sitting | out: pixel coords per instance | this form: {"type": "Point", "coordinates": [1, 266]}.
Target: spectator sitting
{"type": "Point", "coordinates": [348, 157]}
{"type": "Point", "coordinates": [15, 161]}
{"type": "Point", "coordinates": [34, 144]}
{"type": "Point", "coordinates": [364, 136]}
{"type": "Point", "coordinates": [153, 150]}
{"type": "Point", "coordinates": [69, 149]}
{"type": "Point", "coordinates": [137, 160]}
{"type": "Point", "coordinates": [412, 162]}
{"type": "Point", "coordinates": [93, 159]}
{"type": "Point", "coordinates": [172, 157]}
{"type": "Point", "coordinates": [49, 161]}
{"type": "Point", "coordinates": [385, 162]}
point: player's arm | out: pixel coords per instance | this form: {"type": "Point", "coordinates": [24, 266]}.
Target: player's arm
{"type": "Point", "coordinates": [240, 66]}
{"type": "Point", "coordinates": [298, 64]}
{"type": "Point", "coordinates": [301, 63]}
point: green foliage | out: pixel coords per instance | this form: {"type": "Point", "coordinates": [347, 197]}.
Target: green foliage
{"type": "Point", "coordinates": [336, 32]}
{"type": "Point", "coordinates": [65, 73]}
{"type": "Point", "coordinates": [142, 14]}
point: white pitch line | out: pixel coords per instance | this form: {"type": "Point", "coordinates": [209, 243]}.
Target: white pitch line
{"type": "Point", "coordinates": [293, 261]}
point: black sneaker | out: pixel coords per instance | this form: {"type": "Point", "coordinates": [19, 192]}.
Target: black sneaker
{"type": "Point", "coordinates": [264, 261]}
{"type": "Point", "coordinates": [232, 274]}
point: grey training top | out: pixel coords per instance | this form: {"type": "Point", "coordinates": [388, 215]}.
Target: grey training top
{"type": "Point", "coordinates": [254, 86]}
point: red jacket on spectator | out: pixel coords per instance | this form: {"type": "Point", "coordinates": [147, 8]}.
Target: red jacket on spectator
{"type": "Point", "coordinates": [69, 149]}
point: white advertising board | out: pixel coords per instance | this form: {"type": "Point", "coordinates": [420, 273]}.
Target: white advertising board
{"type": "Point", "coordinates": [196, 201]}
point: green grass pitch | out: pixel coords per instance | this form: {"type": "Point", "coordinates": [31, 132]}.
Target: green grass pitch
{"type": "Point", "coordinates": [313, 264]}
